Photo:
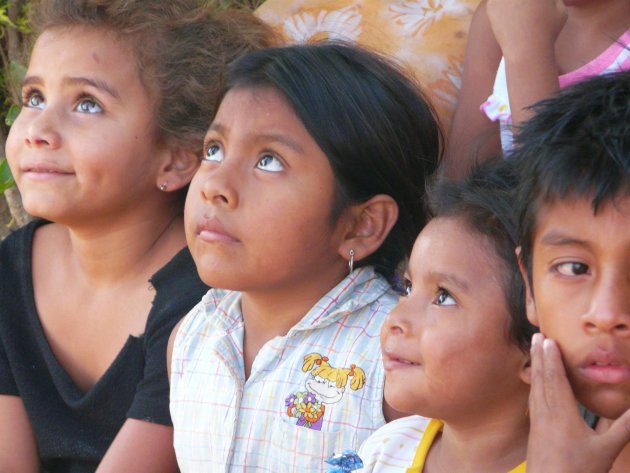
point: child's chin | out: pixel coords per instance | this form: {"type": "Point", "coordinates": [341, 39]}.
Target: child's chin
{"type": "Point", "coordinates": [401, 401]}
{"type": "Point", "coordinates": [606, 402]}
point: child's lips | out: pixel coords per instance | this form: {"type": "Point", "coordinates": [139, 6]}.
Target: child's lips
{"type": "Point", "coordinates": [606, 367]}
{"type": "Point", "coordinates": [213, 231]}
{"type": "Point", "coordinates": [393, 362]}
{"type": "Point", "coordinates": [43, 170]}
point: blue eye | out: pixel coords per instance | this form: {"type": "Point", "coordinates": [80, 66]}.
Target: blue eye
{"type": "Point", "coordinates": [270, 163]}
{"type": "Point", "coordinates": [572, 268]}
{"type": "Point", "coordinates": [444, 298]}
{"type": "Point", "coordinates": [213, 153]}
{"type": "Point", "coordinates": [88, 105]}
{"type": "Point", "coordinates": [34, 99]}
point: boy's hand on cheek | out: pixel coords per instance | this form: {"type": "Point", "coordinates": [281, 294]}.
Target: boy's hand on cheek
{"type": "Point", "coordinates": [559, 439]}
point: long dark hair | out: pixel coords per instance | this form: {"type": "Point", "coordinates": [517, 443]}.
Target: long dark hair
{"type": "Point", "coordinates": [378, 131]}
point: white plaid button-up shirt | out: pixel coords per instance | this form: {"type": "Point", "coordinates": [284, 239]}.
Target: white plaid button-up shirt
{"type": "Point", "coordinates": [314, 392]}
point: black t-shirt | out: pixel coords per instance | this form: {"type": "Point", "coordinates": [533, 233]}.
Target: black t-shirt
{"type": "Point", "coordinates": [73, 428]}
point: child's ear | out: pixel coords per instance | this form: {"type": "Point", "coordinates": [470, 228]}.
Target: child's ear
{"type": "Point", "coordinates": [177, 169]}
{"type": "Point", "coordinates": [370, 223]}
{"type": "Point", "coordinates": [530, 303]}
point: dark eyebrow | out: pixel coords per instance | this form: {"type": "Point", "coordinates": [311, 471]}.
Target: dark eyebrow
{"type": "Point", "coordinates": [451, 278]}
{"type": "Point", "coordinates": [556, 238]}
{"type": "Point", "coordinates": [274, 137]}
{"type": "Point", "coordinates": [96, 83]}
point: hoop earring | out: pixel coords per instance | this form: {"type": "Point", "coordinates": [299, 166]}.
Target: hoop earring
{"type": "Point", "coordinates": [351, 262]}
{"type": "Point", "coordinates": [163, 186]}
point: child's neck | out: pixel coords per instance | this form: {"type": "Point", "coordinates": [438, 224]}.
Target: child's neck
{"type": "Point", "coordinates": [494, 446]}
{"type": "Point", "coordinates": [106, 255]}
{"type": "Point", "coordinates": [270, 314]}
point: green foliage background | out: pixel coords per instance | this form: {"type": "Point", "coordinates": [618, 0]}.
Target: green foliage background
{"type": "Point", "coordinates": [15, 39]}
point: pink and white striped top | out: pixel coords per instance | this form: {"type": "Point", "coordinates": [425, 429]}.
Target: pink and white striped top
{"type": "Point", "coordinates": [614, 59]}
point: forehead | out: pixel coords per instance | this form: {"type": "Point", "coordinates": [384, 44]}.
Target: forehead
{"type": "Point", "coordinates": [575, 219]}
{"type": "Point", "coordinates": [266, 99]}
{"type": "Point", "coordinates": [450, 243]}
{"type": "Point", "coordinates": [82, 50]}
{"type": "Point", "coordinates": [264, 113]}
{"type": "Point", "coordinates": [98, 43]}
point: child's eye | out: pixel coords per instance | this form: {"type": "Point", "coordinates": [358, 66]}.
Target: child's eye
{"type": "Point", "coordinates": [270, 163]}
{"type": "Point", "coordinates": [88, 105]}
{"type": "Point", "coordinates": [405, 287]}
{"type": "Point", "coordinates": [213, 153]}
{"type": "Point", "coordinates": [444, 298]}
{"type": "Point", "coordinates": [33, 99]}
{"type": "Point", "coordinates": [401, 284]}
{"type": "Point", "coordinates": [572, 268]}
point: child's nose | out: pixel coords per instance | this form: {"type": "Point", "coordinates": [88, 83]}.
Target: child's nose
{"type": "Point", "coordinates": [398, 321]}
{"type": "Point", "coordinates": [41, 131]}
{"type": "Point", "coordinates": [218, 187]}
{"type": "Point", "coordinates": [610, 308]}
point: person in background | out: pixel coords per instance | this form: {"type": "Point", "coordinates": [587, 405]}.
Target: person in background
{"type": "Point", "coordinates": [529, 49]}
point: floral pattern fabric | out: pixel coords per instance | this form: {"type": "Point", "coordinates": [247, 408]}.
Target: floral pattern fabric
{"type": "Point", "coordinates": [427, 37]}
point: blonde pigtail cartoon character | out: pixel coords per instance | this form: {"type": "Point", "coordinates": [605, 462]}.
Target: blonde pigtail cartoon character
{"type": "Point", "coordinates": [325, 386]}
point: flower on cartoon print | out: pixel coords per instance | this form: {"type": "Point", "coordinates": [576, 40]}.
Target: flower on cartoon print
{"type": "Point", "coordinates": [415, 16]}
{"type": "Point", "coordinates": [344, 24]}
{"type": "Point", "coordinates": [310, 398]}
{"type": "Point", "coordinates": [305, 407]}
{"type": "Point", "coordinates": [290, 401]}
{"type": "Point", "coordinates": [325, 386]}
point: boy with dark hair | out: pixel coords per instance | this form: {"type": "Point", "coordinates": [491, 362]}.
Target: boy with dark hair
{"type": "Point", "coordinates": [573, 158]}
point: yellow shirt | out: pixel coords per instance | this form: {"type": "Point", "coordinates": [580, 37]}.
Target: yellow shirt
{"type": "Point", "coordinates": [434, 427]}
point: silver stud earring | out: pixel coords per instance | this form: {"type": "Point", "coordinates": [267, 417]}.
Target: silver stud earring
{"type": "Point", "coordinates": [163, 186]}
{"type": "Point", "coordinates": [351, 261]}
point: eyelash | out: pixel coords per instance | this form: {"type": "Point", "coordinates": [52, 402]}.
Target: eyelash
{"type": "Point", "coordinates": [269, 154]}
{"type": "Point", "coordinates": [206, 148]}
{"type": "Point", "coordinates": [211, 144]}
{"type": "Point", "coordinates": [557, 268]}
{"type": "Point", "coordinates": [404, 287]}
{"type": "Point", "coordinates": [88, 98]}
{"type": "Point", "coordinates": [28, 93]}
{"type": "Point", "coordinates": [443, 292]}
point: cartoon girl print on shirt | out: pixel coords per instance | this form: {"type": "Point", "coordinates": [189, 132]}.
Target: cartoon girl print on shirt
{"type": "Point", "coordinates": [324, 386]}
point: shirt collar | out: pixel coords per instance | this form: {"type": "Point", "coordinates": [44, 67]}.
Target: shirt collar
{"type": "Point", "coordinates": [354, 292]}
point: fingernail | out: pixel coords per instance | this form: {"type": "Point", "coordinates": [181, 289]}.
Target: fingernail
{"type": "Point", "coordinates": [547, 344]}
{"type": "Point", "coordinates": [536, 339]}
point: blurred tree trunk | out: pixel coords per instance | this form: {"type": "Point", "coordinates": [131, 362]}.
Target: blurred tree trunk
{"type": "Point", "coordinates": [14, 52]}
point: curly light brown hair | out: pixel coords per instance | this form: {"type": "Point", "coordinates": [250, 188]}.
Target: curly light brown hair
{"type": "Point", "coordinates": [181, 46]}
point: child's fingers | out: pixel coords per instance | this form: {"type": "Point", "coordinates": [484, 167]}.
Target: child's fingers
{"type": "Point", "coordinates": [551, 397]}
{"type": "Point", "coordinates": [558, 392]}
{"type": "Point", "coordinates": [617, 436]}
{"type": "Point", "coordinates": [537, 398]}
